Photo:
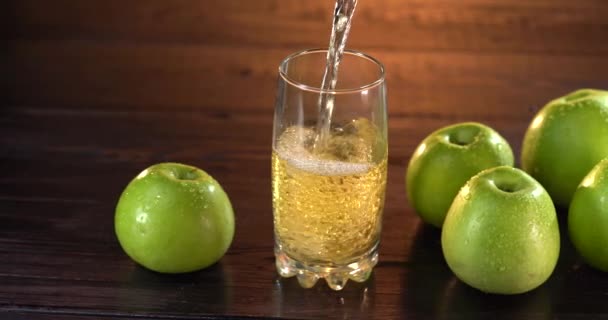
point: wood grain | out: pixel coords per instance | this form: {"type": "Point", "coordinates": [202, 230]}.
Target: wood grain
{"type": "Point", "coordinates": [481, 25]}
{"type": "Point", "coordinates": [75, 73]}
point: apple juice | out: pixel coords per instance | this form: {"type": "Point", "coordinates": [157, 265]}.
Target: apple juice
{"type": "Point", "coordinates": [328, 203]}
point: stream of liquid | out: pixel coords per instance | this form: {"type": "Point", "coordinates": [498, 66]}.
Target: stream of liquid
{"type": "Point", "coordinates": [343, 14]}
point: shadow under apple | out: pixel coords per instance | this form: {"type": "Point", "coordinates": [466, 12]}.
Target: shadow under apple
{"type": "Point", "coordinates": [433, 291]}
{"type": "Point", "coordinates": [201, 292]}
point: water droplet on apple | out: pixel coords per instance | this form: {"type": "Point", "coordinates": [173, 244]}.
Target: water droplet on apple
{"type": "Point", "coordinates": [142, 218]}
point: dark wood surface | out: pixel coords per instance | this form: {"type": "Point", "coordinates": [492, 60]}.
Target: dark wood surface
{"type": "Point", "coordinates": [95, 91]}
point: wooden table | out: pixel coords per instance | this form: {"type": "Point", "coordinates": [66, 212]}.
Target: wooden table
{"type": "Point", "coordinates": [95, 91]}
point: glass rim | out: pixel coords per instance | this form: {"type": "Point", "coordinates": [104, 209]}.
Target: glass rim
{"type": "Point", "coordinates": [306, 87]}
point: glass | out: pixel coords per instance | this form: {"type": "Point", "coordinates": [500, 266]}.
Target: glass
{"type": "Point", "coordinates": [328, 197]}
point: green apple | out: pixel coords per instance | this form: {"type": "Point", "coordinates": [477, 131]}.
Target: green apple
{"type": "Point", "coordinates": [174, 218]}
{"type": "Point", "coordinates": [565, 140]}
{"type": "Point", "coordinates": [501, 233]}
{"type": "Point", "coordinates": [445, 160]}
{"type": "Point", "coordinates": [588, 217]}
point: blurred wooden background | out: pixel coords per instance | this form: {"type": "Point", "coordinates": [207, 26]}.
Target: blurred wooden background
{"type": "Point", "coordinates": [463, 59]}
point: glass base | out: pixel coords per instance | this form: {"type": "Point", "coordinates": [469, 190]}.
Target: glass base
{"type": "Point", "coordinates": [335, 276]}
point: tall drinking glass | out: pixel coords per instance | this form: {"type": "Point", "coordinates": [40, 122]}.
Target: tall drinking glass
{"type": "Point", "coordinates": [328, 194]}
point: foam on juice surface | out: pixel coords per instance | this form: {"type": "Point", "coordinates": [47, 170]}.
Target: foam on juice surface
{"type": "Point", "coordinates": [347, 153]}
{"type": "Point", "coordinates": [302, 159]}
